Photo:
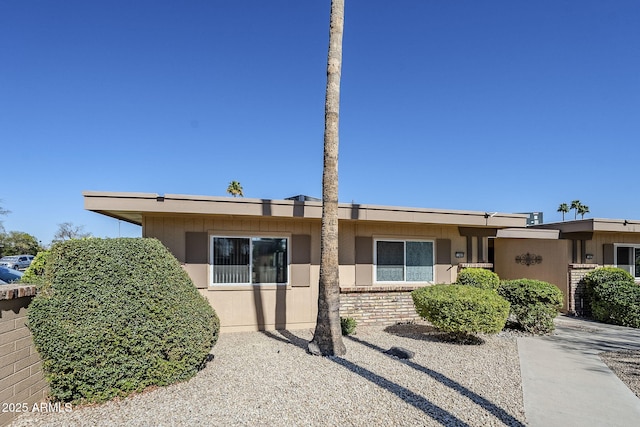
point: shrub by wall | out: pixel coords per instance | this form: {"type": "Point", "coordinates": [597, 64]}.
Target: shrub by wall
{"type": "Point", "coordinates": [534, 303]}
{"type": "Point", "coordinates": [461, 309]}
{"type": "Point", "coordinates": [479, 278]}
{"type": "Point", "coordinates": [606, 275]}
{"type": "Point", "coordinates": [614, 296]}
{"type": "Point", "coordinates": [116, 316]}
{"type": "Point", "coordinates": [35, 273]}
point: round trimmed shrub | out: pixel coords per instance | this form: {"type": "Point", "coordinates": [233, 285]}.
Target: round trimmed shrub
{"type": "Point", "coordinates": [460, 309]}
{"type": "Point", "coordinates": [604, 275]}
{"type": "Point", "coordinates": [479, 278]}
{"type": "Point", "coordinates": [116, 316]}
{"type": "Point", "coordinates": [614, 296]}
{"type": "Point", "coordinates": [534, 303]}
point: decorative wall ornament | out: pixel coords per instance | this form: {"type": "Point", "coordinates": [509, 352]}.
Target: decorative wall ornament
{"type": "Point", "coordinates": [528, 259]}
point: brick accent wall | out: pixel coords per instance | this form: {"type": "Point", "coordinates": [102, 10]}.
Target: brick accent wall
{"type": "Point", "coordinates": [378, 306]}
{"type": "Point", "coordinates": [21, 378]}
{"type": "Point", "coordinates": [577, 300]}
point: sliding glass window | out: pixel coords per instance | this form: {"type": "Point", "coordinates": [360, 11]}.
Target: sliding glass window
{"type": "Point", "coordinates": [404, 261]}
{"type": "Point", "coordinates": [628, 259]}
{"type": "Point", "coordinates": [249, 260]}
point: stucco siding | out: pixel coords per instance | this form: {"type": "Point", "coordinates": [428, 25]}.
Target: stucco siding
{"type": "Point", "coordinates": [246, 307]}
{"type": "Point", "coordinates": [556, 256]}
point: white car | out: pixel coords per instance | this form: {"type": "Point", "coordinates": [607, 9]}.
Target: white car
{"type": "Point", "coordinates": [17, 262]}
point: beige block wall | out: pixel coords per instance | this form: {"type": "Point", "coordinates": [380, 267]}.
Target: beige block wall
{"type": "Point", "coordinates": [243, 308]}
{"type": "Point", "coordinates": [21, 378]}
{"type": "Point", "coordinates": [246, 308]}
{"type": "Point", "coordinates": [348, 233]}
{"type": "Point", "coordinates": [556, 256]}
{"type": "Point", "coordinates": [596, 244]}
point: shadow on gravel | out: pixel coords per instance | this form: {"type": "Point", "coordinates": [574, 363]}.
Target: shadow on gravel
{"type": "Point", "coordinates": [430, 333]}
{"type": "Point", "coordinates": [434, 411]}
{"type": "Point", "coordinates": [438, 414]}
{"type": "Point", "coordinates": [413, 331]}
{"type": "Point", "coordinates": [287, 337]}
{"type": "Point", "coordinates": [497, 411]}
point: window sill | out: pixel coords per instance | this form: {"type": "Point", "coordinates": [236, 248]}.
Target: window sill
{"type": "Point", "coordinates": [249, 288]}
{"type": "Point", "coordinates": [388, 287]}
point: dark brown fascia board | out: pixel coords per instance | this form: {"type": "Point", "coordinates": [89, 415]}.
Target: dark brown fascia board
{"type": "Point", "coordinates": [133, 205]}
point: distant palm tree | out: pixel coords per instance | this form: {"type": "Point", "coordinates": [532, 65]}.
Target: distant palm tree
{"type": "Point", "coordinates": [235, 189]}
{"type": "Point", "coordinates": [575, 205]}
{"type": "Point", "coordinates": [564, 208]}
{"type": "Point", "coordinates": [583, 209]}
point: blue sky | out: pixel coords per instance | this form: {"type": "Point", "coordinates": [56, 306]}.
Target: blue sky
{"type": "Point", "coordinates": [509, 106]}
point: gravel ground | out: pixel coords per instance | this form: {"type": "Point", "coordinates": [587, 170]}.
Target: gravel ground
{"type": "Point", "coordinates": [267, 379]}
{"type": "Point", "coordinates": [626, 365]}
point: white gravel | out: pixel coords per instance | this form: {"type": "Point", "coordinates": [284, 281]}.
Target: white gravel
{"type": "Point", "coordinates": [268, 379]}
{"type": "Point", "coordinates": [626, 365]}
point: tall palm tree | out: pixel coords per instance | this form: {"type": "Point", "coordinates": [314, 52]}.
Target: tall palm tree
{"type": "Point", "coordinates": [327, 338]}
{"type": "Point", "coordinates": [235, 189]}
{"type": "Point", "coordinates": [564, 208]}
{"type": "Point", "coordinates": [583, 209]}
{"type": "Point", "coordinates": [575, 205]}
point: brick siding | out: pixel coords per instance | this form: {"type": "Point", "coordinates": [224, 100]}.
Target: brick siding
{"type": "Point", "coordinates": [21, 378]}
{"type": "Point", "coordinates": [577, 299]}
{"type": "Point", "coordinates": [378, 306]}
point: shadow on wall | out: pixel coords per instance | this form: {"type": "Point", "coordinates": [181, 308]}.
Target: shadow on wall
{"type": "Point", "coordinates": [280, 307]}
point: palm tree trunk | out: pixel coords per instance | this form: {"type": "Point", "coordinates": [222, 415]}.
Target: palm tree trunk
{"type": "Point", "coordinates": [327, 339]}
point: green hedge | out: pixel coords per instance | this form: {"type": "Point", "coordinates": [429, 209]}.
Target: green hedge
{"type": "Point", "coordinates": [461, 309]}
{"type": "Point", "coordinates": [116, 316]}
{"type": "Point", "coordinates": [479, 278]}
{"type": "Point", "coordinates": [534, 303]}
{"type": "Point", "coordinates": [614, 296]}
{"type": "Point", "coordinates": [35, 273]}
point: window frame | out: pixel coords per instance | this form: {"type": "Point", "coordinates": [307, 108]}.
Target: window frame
{"type": "Point", "coordinates": [249, 237]}
{"type": "Point", "coordinates": [635, 247]}
{"type": "Point", "coordinates": [404, 241]}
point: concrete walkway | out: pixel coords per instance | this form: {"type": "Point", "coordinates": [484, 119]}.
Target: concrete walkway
{"type": "Point", "coordinates": [565, 383]}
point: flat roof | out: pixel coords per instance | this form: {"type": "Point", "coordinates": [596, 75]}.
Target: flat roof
{"type": "Point", "coordinates": [593, 224]}
{"type": "Point", "coordinates": [131, 207]}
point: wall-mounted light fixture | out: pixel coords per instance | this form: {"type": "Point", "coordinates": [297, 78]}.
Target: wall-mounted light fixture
{"type": "Point", "coordinates": [459, 254]}
{"type": "Point", "coordinates": [588, 256]}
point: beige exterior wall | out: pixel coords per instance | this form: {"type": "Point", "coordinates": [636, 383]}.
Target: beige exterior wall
{"type": "Point", "coordinates": [268, 307]}
{"type": "Point", "coordinates": [245, 307]}
{"type": "Point", "coordinates": [595, 246]}
{"type": "Point", "coordinates": [556, 256]}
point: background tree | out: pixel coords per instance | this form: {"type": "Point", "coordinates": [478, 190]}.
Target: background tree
{"type": "Point", "coordinates": [583, 209]}
{"type": "Point", "coordinates": [68, 231]}
{"type": "Point", "coordinates": [327, 338]}
{"type": "Point", "coordinates": [235, 189]}
{"type": "Point", "coordinates": [18, 243]}
{"type": "Point", "coordinates": [575, 205]}
{"type": "Point", "coordinates": [2, 213]}
{"type": "Point", "coordinates": [564, 208]}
